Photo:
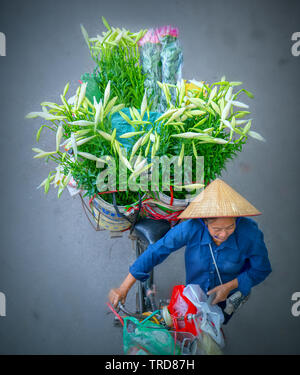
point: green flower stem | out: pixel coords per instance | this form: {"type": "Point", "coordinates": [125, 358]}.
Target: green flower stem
{"type": "Point", "coordinates": [50, 128]}
{"type": "Point", "coordinates": [54, 159]}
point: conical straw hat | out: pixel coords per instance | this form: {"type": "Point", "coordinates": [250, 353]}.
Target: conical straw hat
{"type": "Point", "coordinates": [218, 200]}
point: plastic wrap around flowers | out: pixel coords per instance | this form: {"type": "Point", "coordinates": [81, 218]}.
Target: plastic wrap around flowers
{"type": "Point", "coordinates": [162, 58]}
{"type": "Point", "coordinates": [155, 35]}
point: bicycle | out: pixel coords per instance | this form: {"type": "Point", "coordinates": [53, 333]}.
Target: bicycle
{"type": "Point", "coordinates": [147, 231]}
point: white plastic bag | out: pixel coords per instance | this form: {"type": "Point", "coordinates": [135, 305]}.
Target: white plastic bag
{"type": "Point", "coordinates": [212, 315]}
{"type": "Point", "coordinates": [72, 187]}
{"type": "Point", "coordinates": [181, 308]}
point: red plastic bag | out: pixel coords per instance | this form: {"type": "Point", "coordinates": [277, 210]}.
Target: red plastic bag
{"type": "Point", "coordinates": [180, 306]}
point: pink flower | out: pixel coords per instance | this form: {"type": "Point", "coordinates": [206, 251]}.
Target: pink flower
{"type": "Point", "coordinates": [149, 37]}
{"type": "Point", "coordinates": [154, 35]}
{"type": "Point", "coordinates": [167, 30]}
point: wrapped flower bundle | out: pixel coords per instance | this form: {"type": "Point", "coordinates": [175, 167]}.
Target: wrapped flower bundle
{"type": "Point", "coordinates": [171, 59]}
{"type": "Point", "coordinates": [162, 59]}
{"type": "Point", "coordinates": [151, 62]}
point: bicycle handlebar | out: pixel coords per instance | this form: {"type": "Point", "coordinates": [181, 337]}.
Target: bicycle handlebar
{"type": "Point", "coordinates": [124, 310]}
{"type": "Point", "coordinates": [129, 313]}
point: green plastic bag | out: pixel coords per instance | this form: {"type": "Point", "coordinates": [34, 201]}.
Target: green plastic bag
{"type": "Point", "coordinates": [147, 338]}
{"type": "Point", "coordinates": [92, 88]}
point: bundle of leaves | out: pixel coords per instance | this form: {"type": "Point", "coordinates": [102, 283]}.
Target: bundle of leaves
{"type": "Point", "coordinates": [117, 59]}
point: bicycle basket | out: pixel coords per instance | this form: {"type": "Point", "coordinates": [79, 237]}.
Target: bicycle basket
{"type": "Point", "coordinates": [147, 339]}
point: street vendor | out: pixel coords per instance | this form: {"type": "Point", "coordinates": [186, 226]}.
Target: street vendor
{"type": "Point", "coordinates": [225, 249]}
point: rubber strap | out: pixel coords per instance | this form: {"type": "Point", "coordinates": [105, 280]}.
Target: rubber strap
{"type": "Point", "coordinates": [124, 216]}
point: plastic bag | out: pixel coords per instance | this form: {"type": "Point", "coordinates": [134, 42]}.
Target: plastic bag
{"type": "Point", "coordinates": [181, 307]}
{"type": "Point", "coordinates": [162, 60]}
{"type": "Point", "coordinates": [212, 315]}
{"type": "Point", "coordinates": [171, 60]}
{"type": "Point", "coordinates": [147, 338]}
{"type": "Point", "coordinates": [92, 88]}
{"type": "Point", "coordinates": [122, 126]}
{"type": "Point", "coordinates": [150, 49]}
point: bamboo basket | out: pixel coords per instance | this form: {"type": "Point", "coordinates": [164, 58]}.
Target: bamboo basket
{"type": "Point", "coordinates": [177, 203]}
{"type": "Point", "coordinates": [109, 218]}
{"type": "Point", "coordinates": [104, 215]}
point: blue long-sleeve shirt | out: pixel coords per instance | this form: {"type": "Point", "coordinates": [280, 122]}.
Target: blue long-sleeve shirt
{"type": "Point", "coordinates": [243, 255]}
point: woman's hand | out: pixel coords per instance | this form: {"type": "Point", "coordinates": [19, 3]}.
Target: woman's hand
{"type": "Point", "coordinates": [222, 291]}
{"type": "Point", "coordinates": [117, 295]}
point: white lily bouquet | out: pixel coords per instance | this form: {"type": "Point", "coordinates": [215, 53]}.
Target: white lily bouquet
{"type": "Point", "coordinates": [138, 107]}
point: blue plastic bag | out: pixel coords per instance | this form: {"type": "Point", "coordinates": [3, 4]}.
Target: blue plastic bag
{"type": "Point", "coordinates": [122, 126]}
